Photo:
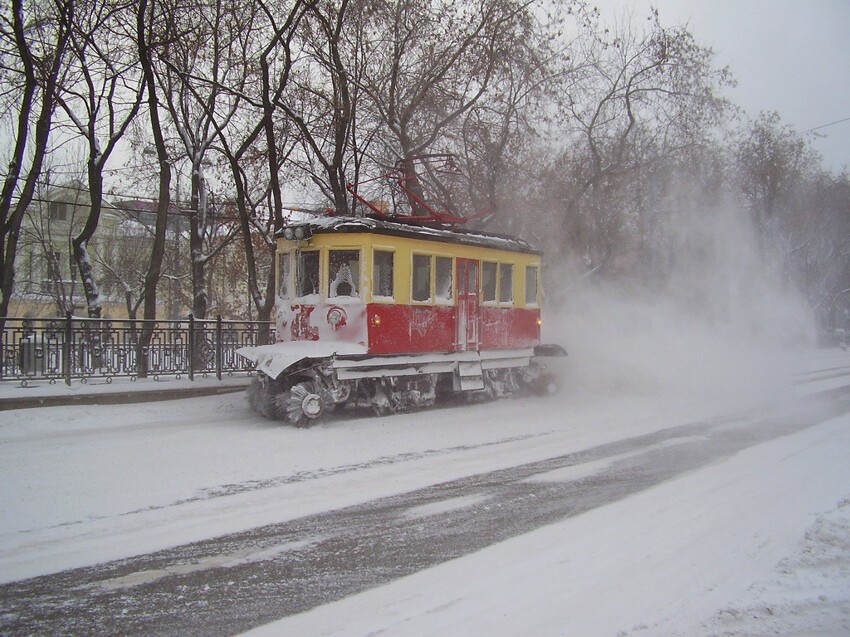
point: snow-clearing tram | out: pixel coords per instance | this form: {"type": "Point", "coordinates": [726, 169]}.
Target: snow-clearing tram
{"type": "Point", "coordinates": [391, 312]}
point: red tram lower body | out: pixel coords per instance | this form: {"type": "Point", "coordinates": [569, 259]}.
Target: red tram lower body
{"type": "Point", "coordinates": [392, 357]}
{"type": "Point", "coordinates": [398, 329]}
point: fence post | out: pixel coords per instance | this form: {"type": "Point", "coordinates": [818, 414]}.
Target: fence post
{"type": "Point", "coordinates": [218, 347]}
{"type": "Point", "coordinates": [67, 347]}
{"type": "Point", "coordinates": [191, 346]}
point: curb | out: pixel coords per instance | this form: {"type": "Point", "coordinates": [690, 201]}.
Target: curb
{"type": "Point", "coordinates": [116, 398]}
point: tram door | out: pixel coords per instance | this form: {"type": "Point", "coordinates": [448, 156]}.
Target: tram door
{"type": "Point", "coordinates": [467, 304]}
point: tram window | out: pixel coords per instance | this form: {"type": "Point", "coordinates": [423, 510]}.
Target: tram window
{"type": "Point", "coordinates": [382, 275]}
{"type": "Point", "coordinates": [284, 273]}
{"type": "Point", "coordinates": [488, 282]}
{"type": "Point", "coordinates": [443, 271]}
{"type": "Point", "coordinates": [307, 273]}
{"type": "Point", "coordinates": [344, 273]}
{"type": "Point", "coordinates": [421, 278]}
{"type": "Point", "coordinates": [531, 284]}
{"type": "Point", "coordinates": [506, 283]}
{"type": "Point", "coordinates": [472, 278]}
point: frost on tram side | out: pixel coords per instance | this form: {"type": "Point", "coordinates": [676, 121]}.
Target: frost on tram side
{"type": "Point", "coordinates": [382, 276]}
{"type": "Point", "coordinates": [344, 273]}
{"type": "Point", "coordinates": [488, 282]}
{"type": "Point", "coordinates": [419, 321]}
{"type": "Point", "coordinates": [532, 279]}
{"type": "Point", "coordinates": [421, 278]}
{"type": "Point", "coordinates": [307, 273]}
{"type": "Point", "coordinates": [506, 283]}
{"type": "Point", "coordinates": [284, 270]}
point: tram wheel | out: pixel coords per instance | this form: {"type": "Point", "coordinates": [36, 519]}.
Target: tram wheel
{"type": "Point", "coordinates": [303, 404]}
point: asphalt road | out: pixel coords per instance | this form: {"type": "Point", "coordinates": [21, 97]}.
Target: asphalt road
{"type": "Point", "coordinates": [227, 585]}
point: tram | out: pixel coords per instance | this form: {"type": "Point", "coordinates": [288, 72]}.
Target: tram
{"type": "Point", "coordinates": [390, 313]}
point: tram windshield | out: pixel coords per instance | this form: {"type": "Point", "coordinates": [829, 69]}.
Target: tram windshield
{"type": "Point", "coordinates": [307, 273]}
{"type": "Point", "coordinates": [343, 273]}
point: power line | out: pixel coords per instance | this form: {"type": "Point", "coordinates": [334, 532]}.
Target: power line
{"type": "Point", "coordinates": [181, 207]}
{"type": "Point", "coordinates": [825, 125]}
{"type": "Point", "coordinates": [173, 211]}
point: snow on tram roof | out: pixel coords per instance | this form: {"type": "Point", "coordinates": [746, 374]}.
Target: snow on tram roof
{"type": "Point", "coordinates": [411, 229]}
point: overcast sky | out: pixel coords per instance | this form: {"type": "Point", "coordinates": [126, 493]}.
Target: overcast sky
{"type": "Point", "coordinates": [791, 56]}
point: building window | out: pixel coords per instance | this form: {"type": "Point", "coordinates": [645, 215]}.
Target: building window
{"type": "Point", "coordinates": [488, 282]}
{"type": "Point", "coordinates": [284, 274]}
{"type": "Point", "coordinates": [32, 270]}
{"type": "Point", "coordinates": [532, 277]}
{"type": "Point", "coordinates": [421, 278]}
{"type": "Point", "coordinates": [54, 267]}
{"type": "Point", "coordinates": [307, 273]}
{"type": "Point", "coordinates": [443, 279]}
{"type": "Point", "coordinates": [506, 283]}
{"type": "Point", "coordinates": [344, 273]}
{"type": "Point", "coordinates": [58, 211]}
{"type": "Point", "coordinates": [382, 273]}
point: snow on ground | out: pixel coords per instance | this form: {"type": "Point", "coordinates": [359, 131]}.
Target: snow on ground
{"type": "Point", "coordinates": [806, 594]}
{"type": "Point", "coordinates": [91, 483]}
{"type": "Point", "coordinates": [655, 564]}
{"type": "Point", "coordinates": [707, 553]}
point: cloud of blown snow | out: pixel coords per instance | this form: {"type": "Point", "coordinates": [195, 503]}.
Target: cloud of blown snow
{"type": "Point", "coordinates": [717, 328]}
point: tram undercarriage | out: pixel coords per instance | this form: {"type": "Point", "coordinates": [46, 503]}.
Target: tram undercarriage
{"type": "Point", "coordinates": [306, 392]}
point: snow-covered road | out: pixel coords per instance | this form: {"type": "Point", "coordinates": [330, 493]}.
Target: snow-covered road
{"type": "Point", "coordinates": [658, 512]}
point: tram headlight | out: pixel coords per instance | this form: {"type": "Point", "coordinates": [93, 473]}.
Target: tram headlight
{"type": "Point", "coordinates": [297, 233]}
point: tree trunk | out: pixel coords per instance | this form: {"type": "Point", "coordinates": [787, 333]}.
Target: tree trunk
{"type": "Point", "coordinates": [197, 228]}
{"type": "Point", "coordinates": [80, 242]}
{"type": "Point", "coordinates": [154, 270]}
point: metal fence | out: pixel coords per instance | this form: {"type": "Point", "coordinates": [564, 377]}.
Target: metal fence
{"type": "Point", "coordinates": [64, 349]}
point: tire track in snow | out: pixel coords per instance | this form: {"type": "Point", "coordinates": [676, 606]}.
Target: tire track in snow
{"type": "Point", "coordinates": [247, 486]}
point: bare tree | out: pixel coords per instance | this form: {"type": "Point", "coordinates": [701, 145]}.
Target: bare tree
{"type": "Point", "coordinates": [773, 163]}
{"type": "Point", "coordinates": [202, 82]}
{"type": "Point", "coordinates": [427, 63]}
{"type": "Point", "coordinates": [100, 97]}
{"type": "Point", "coordinates": [820, 249]}
{"type": "Point", "coordinates": [321, 97]}
{"type": "Point", "coordinates": [496, 135]}
{"type": "Point", "coordinates": [643, 95]}
{"type": "Point", "coordinates": [33, 59]}
{"type": "Point", "coordinates": [799, 211]}
{"type": "Point", "coordinates": [152, 31]}
{"type": "Point", "coordinates": [254, 143]}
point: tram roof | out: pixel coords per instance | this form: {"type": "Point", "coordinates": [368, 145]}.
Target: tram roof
{"type": "Point", "coordinates": [412, 230]}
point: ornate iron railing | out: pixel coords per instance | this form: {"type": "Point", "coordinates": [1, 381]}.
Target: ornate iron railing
{"type": "Point", "coordinates": [64, 349]}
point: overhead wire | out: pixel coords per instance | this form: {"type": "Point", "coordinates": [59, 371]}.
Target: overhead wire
{"type": "Point", "coordinates": [840, 121]}
{"type": "Point", "coordinates": [182, 209]}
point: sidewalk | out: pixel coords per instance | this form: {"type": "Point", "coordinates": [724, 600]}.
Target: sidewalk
{"type": "Point", "coordinates": [40, 393]}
